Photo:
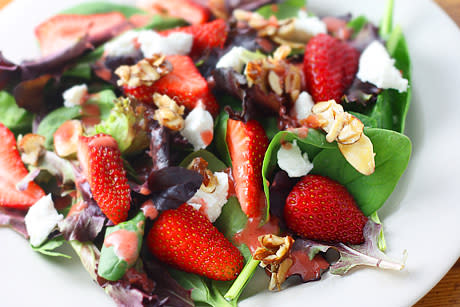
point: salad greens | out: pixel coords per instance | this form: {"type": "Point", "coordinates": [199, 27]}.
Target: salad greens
{"type": "Point", "coordinates": [154, 159]}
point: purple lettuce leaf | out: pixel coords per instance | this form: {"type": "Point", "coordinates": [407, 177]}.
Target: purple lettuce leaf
{"type": "Point", "coordinates": [366, 254]}
{"type": "Point", "coordinates": [154, 287]}
{"type": "Point", "coordinates": [86, 224]}
{"type": "Point", "coordinates": [166, 287]}
{"type": "Point", "coordinates": [54, 63]}
{"type": "Point", "coordinates": [14, 218]}
{"type": "Point", "coordinates": [8, 71]}
{"type": "Point", "coordinates": [362, 93]}
{"type": "Point", "coordinates": [248, 5]}
{"type": "Point", "coordinates": [173, 186]}
{"type": "Point", "coordinates": [280, 188]}
{"type": "Point", "coordinates": [134, 289]}
{"type": "Point", "coordinates": [365, 36]}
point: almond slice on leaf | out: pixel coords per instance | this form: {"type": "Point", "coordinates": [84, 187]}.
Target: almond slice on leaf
{"type": "Point", "coordinates": [360, 155]}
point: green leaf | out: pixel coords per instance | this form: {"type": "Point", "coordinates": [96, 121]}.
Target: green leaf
{"type": "Point", "coordinates": [105, 100]}
{"type": "Point", "coordinates": [90, 8]}
{"type": "Point", "coordinates": [159, 23]}
{"type": "Point", "coordinates": [48, 248]}
{"type": "Point", "coordinates": [357, 24]}
{"type": "Point", "coordinates": [381, 243]}
{"type": "Point", "coordinates": [220, 135]}
{"type": "Point", "coordinates": [286, 9]}
{"type": "Point", "coordinates": [111, 265]}
{"type": "Point", "coordinates": [54, 120]}
{"type": "Point", "coordinates": [18, 120]}
{"type": "Point", "coordinates": [205, 292]}
{"type": "Point", "coordinates": [391, 108]}
{"type": "Point", "coordinates": [400, 102]}
{"type": "Point", "coordinates": [370, 192]}
{"type": "Point", "coordinates": [312, 145]}
{"type": "Point", "coordinates": [214, 164]}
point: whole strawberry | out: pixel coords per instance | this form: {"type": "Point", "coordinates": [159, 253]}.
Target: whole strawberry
{"type": "Point", "coordinates": [102, 165]}
{"type": "Point", "coordinates": [186, 239]}
{"type": "Point", "coordinates": [329, 65]}
{"type": "Point", "coordinates": [247, 143]}
{"type": "Point", "coordinates": [320, 208]}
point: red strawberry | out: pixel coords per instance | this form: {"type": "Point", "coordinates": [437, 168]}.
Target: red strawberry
{"type": "Point", "coordinates": [186, 239]}
{"type": "Point", "coordinates": [205, 36]}
{"type": "Point", "coordinates": [320, 208]}
{"type": "Point", "coordinates": [185, 9]}
{"type": "Point", "coordinates": [62, 31]}
{"type": "Point", "coordinates": [184, 84]}
{"type": "Point", "coordinates": [102, 165]}
{"type": "Point", "coordinates": [12, 170]}
{"type": "Point", "coordinates": [247, 144]}
{"type": "Point", "coordinates": [330, 66]}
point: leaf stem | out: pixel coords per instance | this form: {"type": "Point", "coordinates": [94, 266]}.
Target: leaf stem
{"type": "Point", "coordinates": [240, 282]}
{"type": "Point", "coordinates": [387, 23]}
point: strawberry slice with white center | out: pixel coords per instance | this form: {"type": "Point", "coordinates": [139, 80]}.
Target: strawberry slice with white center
{"type": "Point", "coordinates": [62, 31]}
{"type": "Point", "coordinates": [12, 170]}
{"type": "Point", "coordinates": [102, 165]}
{"type": "Point", "coordinates": [247, 143]}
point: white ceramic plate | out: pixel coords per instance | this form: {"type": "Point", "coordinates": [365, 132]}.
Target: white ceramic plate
{"type": "Point", "coordinates": [421, 215]}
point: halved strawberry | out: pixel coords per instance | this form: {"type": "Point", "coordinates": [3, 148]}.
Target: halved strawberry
{"type": "Point", "coordinates": [185, 9]}
{"type": "Point", "coordinates": [62, 31]}
{"type": "Point", "coordinates": [184, 84]}
{"type": "Point", "coordinates": [12, 170]}
{"type": "Point", "coordinates": [186, 239]}
{"type": "Point", "coordinates": [247, 143]}
{"type": "Point", "coordinates": [102, 165]}
{"type": "Point", "coordinates": [205, 36]}
{"type": "Point", "coordinates": [330, 65]}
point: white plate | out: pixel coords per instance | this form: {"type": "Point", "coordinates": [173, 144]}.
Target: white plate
{"type": "Point", "coordinates": [421, 215]}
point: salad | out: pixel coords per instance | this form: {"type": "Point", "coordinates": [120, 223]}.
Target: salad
{"type": "Point", "coordinates": [179, 146]}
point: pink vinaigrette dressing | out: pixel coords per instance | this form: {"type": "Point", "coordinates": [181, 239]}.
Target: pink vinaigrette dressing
{"type": "Point", "coordinates": [125, 244]}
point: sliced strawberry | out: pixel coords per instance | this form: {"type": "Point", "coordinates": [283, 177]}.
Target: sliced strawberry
{"type": "Point", "coordinates": [12, 170]}
{"type": "Point", "coordinates": [320, 208]}
{"type": "Point", "coordinates": [205, 36]}
{"type": "Point", "coordinates": [66, 138]}
{"type": "Point", "coordinates": [185, 9]}
{"type": "Point", "coordinates": [102, 165]}
{"type": "Point", "coordinates": [330, 66]}
{"type": "Point", "coordinates": [186, 239]}
{"type": "Point", "coordinates": [184, 84]}
{"type": "Point", "coordinates": [62, 31]}
{"type": "Point", "coordinates": [247, 144]}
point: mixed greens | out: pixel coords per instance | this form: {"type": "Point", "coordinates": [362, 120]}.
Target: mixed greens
{"type": "Point", "coordinates": [156, 158]}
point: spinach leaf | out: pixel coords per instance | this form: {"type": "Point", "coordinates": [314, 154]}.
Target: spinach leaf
{"type": "Point", "coordinates": [48, 248]}
{"type": "Point", "coordinates": [103, 7]}
{"type": "Point", "coordinates": [370, 192]}
{"type": "Point", "coordinates": [312, 145]}
{"type": "Point", "coordinates": [390, 110]}
{"type": "Point", "coordinates": [205, 292]}
{"type": "Point", "coordinates": [220, 136]}
{"type": "Point", "coordinates": [286, 9]}
{"type": "Point", "coordinates": [18, 120]}
{"type": "Point", "coordinates": [54, 120]}
{"type": "Point", "coordinates": [357, 24]}
{"type": "Point", "coordinates": [214, 164]}
{"type": "Point", "coordinates": [159, 23]}
{"type": "Point", "coordinates": [400, 102]}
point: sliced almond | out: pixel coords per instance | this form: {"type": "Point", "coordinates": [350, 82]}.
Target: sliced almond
{"type": "Point", "coordinates": [360, 155]}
